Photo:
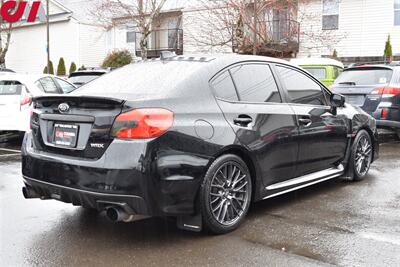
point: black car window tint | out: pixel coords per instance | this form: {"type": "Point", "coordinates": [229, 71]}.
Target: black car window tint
{"type": "Point", "coordinates": [255, 83]}
{"type": "Point", "coordinates": [300, 88]}
{"type": "Point", "coordinates": [224, 87]}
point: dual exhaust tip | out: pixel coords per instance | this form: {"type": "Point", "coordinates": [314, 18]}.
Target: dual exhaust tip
{"type": "Point", "coordinates": [114, 213]}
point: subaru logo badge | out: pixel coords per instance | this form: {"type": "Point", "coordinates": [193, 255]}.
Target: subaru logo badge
{"type": "Point", "coordinates": [63, 107]}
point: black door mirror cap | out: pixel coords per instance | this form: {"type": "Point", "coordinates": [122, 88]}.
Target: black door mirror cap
{"type": "Point", "coordinates": [337, 100]}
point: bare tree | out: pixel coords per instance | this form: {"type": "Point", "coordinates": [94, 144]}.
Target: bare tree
{"type": "Point", "coordinates": [266, 27]}
{"type": "Point", "coordinates": [141, 13]}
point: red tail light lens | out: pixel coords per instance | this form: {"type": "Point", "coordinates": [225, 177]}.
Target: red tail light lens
{"type": "Point", "coordinates": [377, 91]}
{"type": "Point", "coordinates": [26, 99]}
{"type": "Point", "coordinates": [386, 91]}
{"type": "Point", "coordinates": [384, 113]}
{"type": "Point", "coordinates": [142, 123]}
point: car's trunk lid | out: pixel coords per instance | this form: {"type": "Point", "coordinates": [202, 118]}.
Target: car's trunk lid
{"type": "Point", "coordinates": [74, 126]}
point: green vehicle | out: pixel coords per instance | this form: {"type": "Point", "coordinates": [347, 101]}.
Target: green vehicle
{"type": "Point", "coordinates": [324, 69]}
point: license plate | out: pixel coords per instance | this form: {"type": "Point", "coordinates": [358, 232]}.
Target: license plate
{"type": "Point", "coordinates": [65, 134]}
{"type": "Point", "coordinates": [357, 100]}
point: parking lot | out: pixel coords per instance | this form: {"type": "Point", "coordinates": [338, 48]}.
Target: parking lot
{"type": "Point", "coordinates": [334, 223]}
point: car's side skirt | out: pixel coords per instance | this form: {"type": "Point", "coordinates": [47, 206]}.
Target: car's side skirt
{"type": "Point", "coordinates": [304, 181]}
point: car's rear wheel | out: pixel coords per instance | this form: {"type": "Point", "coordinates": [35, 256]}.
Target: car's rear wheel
{"type": "Point", "coordinates": [225, 194]}
{"type": "Point", "coordinates": [361, 156]}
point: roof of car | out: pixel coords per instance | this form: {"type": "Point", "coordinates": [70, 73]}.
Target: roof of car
{"type": "Point", "coordinates": [316, 61]}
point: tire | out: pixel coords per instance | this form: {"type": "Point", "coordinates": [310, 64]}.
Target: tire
{"type": "Point", "coordinates": [361, 155]}
{"type": "Point", "coordinates": [225, 194]}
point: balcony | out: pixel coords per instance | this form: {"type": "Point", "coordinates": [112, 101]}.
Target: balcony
{"type": "Point", "coordinates": [161, 40]}
{"type": "Point", "coordinates": [277, 38]}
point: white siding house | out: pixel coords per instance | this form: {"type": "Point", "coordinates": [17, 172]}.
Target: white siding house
{"type": "Point", "coordinates": [72, 36]}
{"type": "Point", "coordinates": [362, 27]}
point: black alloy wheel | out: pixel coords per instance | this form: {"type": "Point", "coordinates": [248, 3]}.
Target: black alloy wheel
{"type": "Point", "coordinates": [225, 194]}
{"type": "Point", "coordinates": [361, 155]}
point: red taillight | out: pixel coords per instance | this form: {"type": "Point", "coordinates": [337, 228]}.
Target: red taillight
{"type": "Point", "coordinates": [142, 123]}
{"type": "Point", "coordinates": [26, 99]}
{"type": "Point", "coordinates": [386, 91]}
{"type": "Point", "coordinates": [384, 113]}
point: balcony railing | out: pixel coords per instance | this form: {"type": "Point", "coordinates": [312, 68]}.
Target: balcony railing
{"type": "Point", "coordinates": [161, 40]}
{"type": "Point", "coordinates": [274, 38]}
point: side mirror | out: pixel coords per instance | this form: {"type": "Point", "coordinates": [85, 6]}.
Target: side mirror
{"type": "Point", "coordinates": [337, 101]}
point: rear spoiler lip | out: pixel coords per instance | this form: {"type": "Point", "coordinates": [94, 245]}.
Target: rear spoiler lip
{"type": "Point", "coordinates": [75, 97]}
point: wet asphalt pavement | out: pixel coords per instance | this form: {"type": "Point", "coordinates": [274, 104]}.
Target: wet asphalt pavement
{"type": "Point", "coordinates": [333, 223]}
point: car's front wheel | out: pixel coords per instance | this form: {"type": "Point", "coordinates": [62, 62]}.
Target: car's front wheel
{"type": "Point", "coordinates": [361, 156]}
{"type": "Point", "coordinates": [225, 194]}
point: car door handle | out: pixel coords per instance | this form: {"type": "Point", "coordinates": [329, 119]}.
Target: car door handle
{"type": "Point", "coordinates": [304, 121]}
{"type": "Point", "coordinates": [243, 120]}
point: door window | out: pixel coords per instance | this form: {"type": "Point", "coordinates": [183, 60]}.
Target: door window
{"type": "Point", "coordinates": [224, 87]}
{"type": "Point", "coordinates": [255, 83]}
{"type": "Point", "coordinates": [300, 88]}
{"type": "Point", "coordinates": [65, 86]}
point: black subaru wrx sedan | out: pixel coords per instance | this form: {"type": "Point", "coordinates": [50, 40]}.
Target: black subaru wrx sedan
{"type": "Point", "coordinates": [196, 138]}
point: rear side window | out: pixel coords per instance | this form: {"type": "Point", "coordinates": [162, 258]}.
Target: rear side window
{"type": "Point", "coordinates": [319, 73]}
{"type": "Point", "coordinates": [48, 85]}
{"type": "Point", "coordinates": [10, 88]}
{"type": "Point", "coordinates": [255, 83]}
{"type": "Point", "coordinates": [365, 76]}
{"type": "Point", "coordinates": [224, 88]}
{"type": "Point", "coordinates": [65, 86]}
{"type": "Point", "coordinates": [300, 88]}
{"type": "Point", "coordinates": [336, 72]}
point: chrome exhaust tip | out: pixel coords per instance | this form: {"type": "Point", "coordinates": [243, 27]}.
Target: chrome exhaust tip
{"type": "Point", "coordinates": [116, 214]}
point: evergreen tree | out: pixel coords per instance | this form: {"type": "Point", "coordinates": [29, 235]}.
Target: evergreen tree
{"type": "Point", "coordinates": [61, 67]}
{"type": "Point", "coordinates": [388, 53]}
{"type": "Point", "coordinates": [51, 70]}
{"type": "Point", "coordinates": [45, 70]}
{"type": "Point", "coordinates": [72, 68]}
{"type": "Point", "coordinates": [334, 54]}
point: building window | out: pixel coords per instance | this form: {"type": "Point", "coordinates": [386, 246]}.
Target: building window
{"type": "Point", "coordinates": [330, 14]}
{"type": "Point", "coordinates": [397, 12]}
{"type": "Point", "coordinates": [130, 37]}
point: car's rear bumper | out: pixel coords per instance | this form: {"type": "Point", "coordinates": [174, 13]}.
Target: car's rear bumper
{"type": "Point", "coordinates": [150, 181]}
{"type": "Point", "coordinates": [130, 203]}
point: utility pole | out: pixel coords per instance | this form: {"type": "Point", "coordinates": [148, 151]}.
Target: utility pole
{"type": "Point", "coordinates": [255, 29]}
{"type": "Point", "coordinates": [48, 35]}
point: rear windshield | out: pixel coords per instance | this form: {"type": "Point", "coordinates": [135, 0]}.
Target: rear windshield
{"type": "Point", "coordinates": [319, 73]}
{"type": "Point", "coordinates": [10, 88]}
{"type": "Point", "coordinates": [142, 80]}
{"type": "Point", "coordinates": [365, 76]}
{"type": "Point", "coordinates": [79, 80]}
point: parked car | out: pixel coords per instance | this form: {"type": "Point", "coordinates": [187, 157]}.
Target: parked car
{"type": "Point", "coordinates": [82, 77]}
{"type": "Point", "coordinates": [193, 138]}
{"type": "Point", "coordinates": [324, 69]}
{"type": "Point", "coordinates": [376, 89]}
{"type": "Point", "coordinates": [16, 93]}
